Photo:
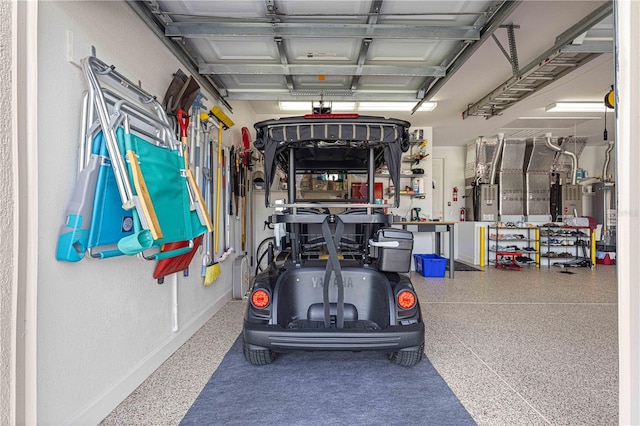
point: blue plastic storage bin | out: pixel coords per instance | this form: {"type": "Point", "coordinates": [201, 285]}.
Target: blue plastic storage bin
{"type": "Point", "coordinates": [430, 265]}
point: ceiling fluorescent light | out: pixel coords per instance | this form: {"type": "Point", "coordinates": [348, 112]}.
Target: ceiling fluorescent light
{"type": "Point", "coordinates": [395, 106]}
{"type": "Point", "coordinates": [546, 118]}
{"type": "Point", "coordinates": [294, 106]}
{"type": "Point", "coordinates": [362, 106]}
{"type": "Point", "coordinates": [306, 106]}
{"type": "Point", "coordinates": [575, 107]}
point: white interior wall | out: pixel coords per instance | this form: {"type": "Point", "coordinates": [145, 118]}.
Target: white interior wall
{"type": "Point", "coordinates": [6, 211]}
{"type": "Point", "coordinates": [103, 325]}
{"type": "Point", "coordinates": [592, 160]}
{"type": "Point", "coordinates": [454, 163]}
{"type": "Point", "coordinates": [628, 180]}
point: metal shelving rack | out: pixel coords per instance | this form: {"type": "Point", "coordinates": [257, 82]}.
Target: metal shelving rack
{"type": "Point", "coordinates": [407, 158]}
{"type": "Point", "coordinates": [506, 257]}
{"type": "Point", "coordinates": [573, 240]}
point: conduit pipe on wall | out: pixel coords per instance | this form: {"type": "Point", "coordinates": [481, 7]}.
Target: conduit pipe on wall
{"type": "Point", "coordinates": [478, 176]}
{"type": "Point", "coordinates": [574, 158]}
{"type": "Point", "coordinates": [174, 303]}
{"type": "Point", "coordinates": [496, 156]}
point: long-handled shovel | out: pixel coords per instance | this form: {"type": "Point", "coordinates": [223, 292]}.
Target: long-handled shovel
{"type": "Point", "coordinates": [246, 140]}
{"type": "Point", "coordinates": [236, 179]}
{"type": "Point", "coordinates": [223, 122]}
{"type": "Point", "coordinates": [211, 268]}
{"type": "Point", "coordinates": [207, 184]}
{"type": "Point", "coordinates": [213, 272]}
{"type": "Point", "coordinates": [194, 190]}
{"type": "Point", "coordinates": [243, 195]}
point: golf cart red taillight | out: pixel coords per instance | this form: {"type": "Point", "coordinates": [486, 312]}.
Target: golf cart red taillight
{"type": "Point", "coordinates": [260, 299]}
{"type": "Point", "coordinates": [406, 299]}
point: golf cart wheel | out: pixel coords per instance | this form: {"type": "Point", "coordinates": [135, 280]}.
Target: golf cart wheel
{"type": "Point", "coordinates": [407, 358]}
{"type": "Point", "coordinates": [262, 356]}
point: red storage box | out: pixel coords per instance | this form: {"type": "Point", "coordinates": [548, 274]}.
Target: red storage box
{"type": "Point", "coordinates": [359, 191]}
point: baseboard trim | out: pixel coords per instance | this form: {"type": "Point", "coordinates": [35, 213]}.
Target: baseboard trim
{"type": "Point", "coordinates": [96, 411]}
{"type": "Point", "coordinates": [469, 260]}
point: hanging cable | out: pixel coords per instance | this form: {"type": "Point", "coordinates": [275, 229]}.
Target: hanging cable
{"type": "Point", "coordinates": [604, 134]}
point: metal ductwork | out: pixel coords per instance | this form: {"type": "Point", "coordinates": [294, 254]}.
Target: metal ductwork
{"type": "Point", "coordinates": [494, 163]}
{"type": "Point", "coordinates": [482, 156]}
{"type": "Point", "coordinates": [538, 161]}
{"type": "Point", "coordinates": [604, 205]}
{"type": "Point", "coordinates": [512, 179]}
{"type": "Point", "coordinates": [607, 157]}
{"type": "Point", "coordinates": [567, 159]}
{"type": "Point", "coordinates": [571, 155]}
{"type": "Point", "coordinates": [566, 198]}
{"type": "Point", "coordinates": [481, 192]}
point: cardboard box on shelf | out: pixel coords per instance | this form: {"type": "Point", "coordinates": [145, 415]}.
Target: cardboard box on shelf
{"type": "Point", "coordinates": [320, 185]}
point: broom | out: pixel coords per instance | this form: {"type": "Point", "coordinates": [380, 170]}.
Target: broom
{"type": "Point", "coordinates": [213, 271]}
{"type": "Point", "coordinates": [208, 184]}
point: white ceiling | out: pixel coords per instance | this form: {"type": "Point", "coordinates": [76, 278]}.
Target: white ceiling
{"type": "Point", "coordinates": [235, 43]}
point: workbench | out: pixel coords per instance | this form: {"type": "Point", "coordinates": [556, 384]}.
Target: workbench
{"type": "Point", "coordinates": [437, 228]}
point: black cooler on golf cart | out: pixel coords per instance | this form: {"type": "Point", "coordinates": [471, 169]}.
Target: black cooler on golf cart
{"type": "Point", "coordinates": [394, 249]}
{"type": "Point", "coordinates": [338, 282]}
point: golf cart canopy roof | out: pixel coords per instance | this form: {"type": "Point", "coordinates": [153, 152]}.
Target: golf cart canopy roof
{"type": "Point", "coordinates": [322, 143]}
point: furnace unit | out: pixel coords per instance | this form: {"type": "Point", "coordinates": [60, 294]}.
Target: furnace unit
{"type": "Point", "coordinates": [481, 192]}
{"type": "Point", "coordinates": [512, 181]}
{"type": "Point", "coordinates": [538, 161]}
{"type": "Point", "coordinates": [566, 194]}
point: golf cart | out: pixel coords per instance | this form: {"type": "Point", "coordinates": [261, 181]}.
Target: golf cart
{"type": "Point", "coordinates": [336, 275]}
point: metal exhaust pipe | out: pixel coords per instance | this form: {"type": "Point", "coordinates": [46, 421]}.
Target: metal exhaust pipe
{"type": "Point", "coordinates": [606, 161]}
{"type": "Point", "coordinates": [574, 158]}
{"type": "Point", "coordinates": [494, 163]}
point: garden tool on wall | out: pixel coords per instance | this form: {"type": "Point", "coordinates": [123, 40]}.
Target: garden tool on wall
{"type": "Point", "coordinates": [224, 122]}
{"type": "Point", "coordinates": [210, 268]}
{"type": "Point", "coordinates": [232, 178]}
{"type": "Point", "coordinates": [170, 101]}
{"type": "Point", "coordinates": [207, 184]}
{"type": "Point", "coordinates": [228, 203]}
{"type": "Point", "coordinates": [246, 140]}
{"type": "Point", "coordinates": [213, 271]}
{"type": "Point", "coordinates": [194, 189]}
{"type": "Point", "coordinates": [181, 93]}
{"type": "Point", "coordinates": [236, 180]}
{"type": "Point", "coordinates": [225, 216]}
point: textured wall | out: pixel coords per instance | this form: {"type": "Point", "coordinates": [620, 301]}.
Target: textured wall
{"type": "Point", "coordinates": [6, 208]}
{"type": "Point", "coordinates": [103, 325]}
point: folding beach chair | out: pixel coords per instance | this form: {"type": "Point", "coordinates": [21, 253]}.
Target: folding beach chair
{"type": "Point", "coordinates": [167, 194]}
{"type": "Point", "coordinates": [132, 192]}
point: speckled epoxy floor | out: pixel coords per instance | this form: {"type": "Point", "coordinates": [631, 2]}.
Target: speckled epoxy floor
{"type": "Point", "coordinates": [537, 346]}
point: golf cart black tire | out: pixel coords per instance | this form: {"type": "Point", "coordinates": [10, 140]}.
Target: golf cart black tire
{"type": "Point", "coordinates": [262, 356]}
{"type": "Point", "coordinates": [407, 357]}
